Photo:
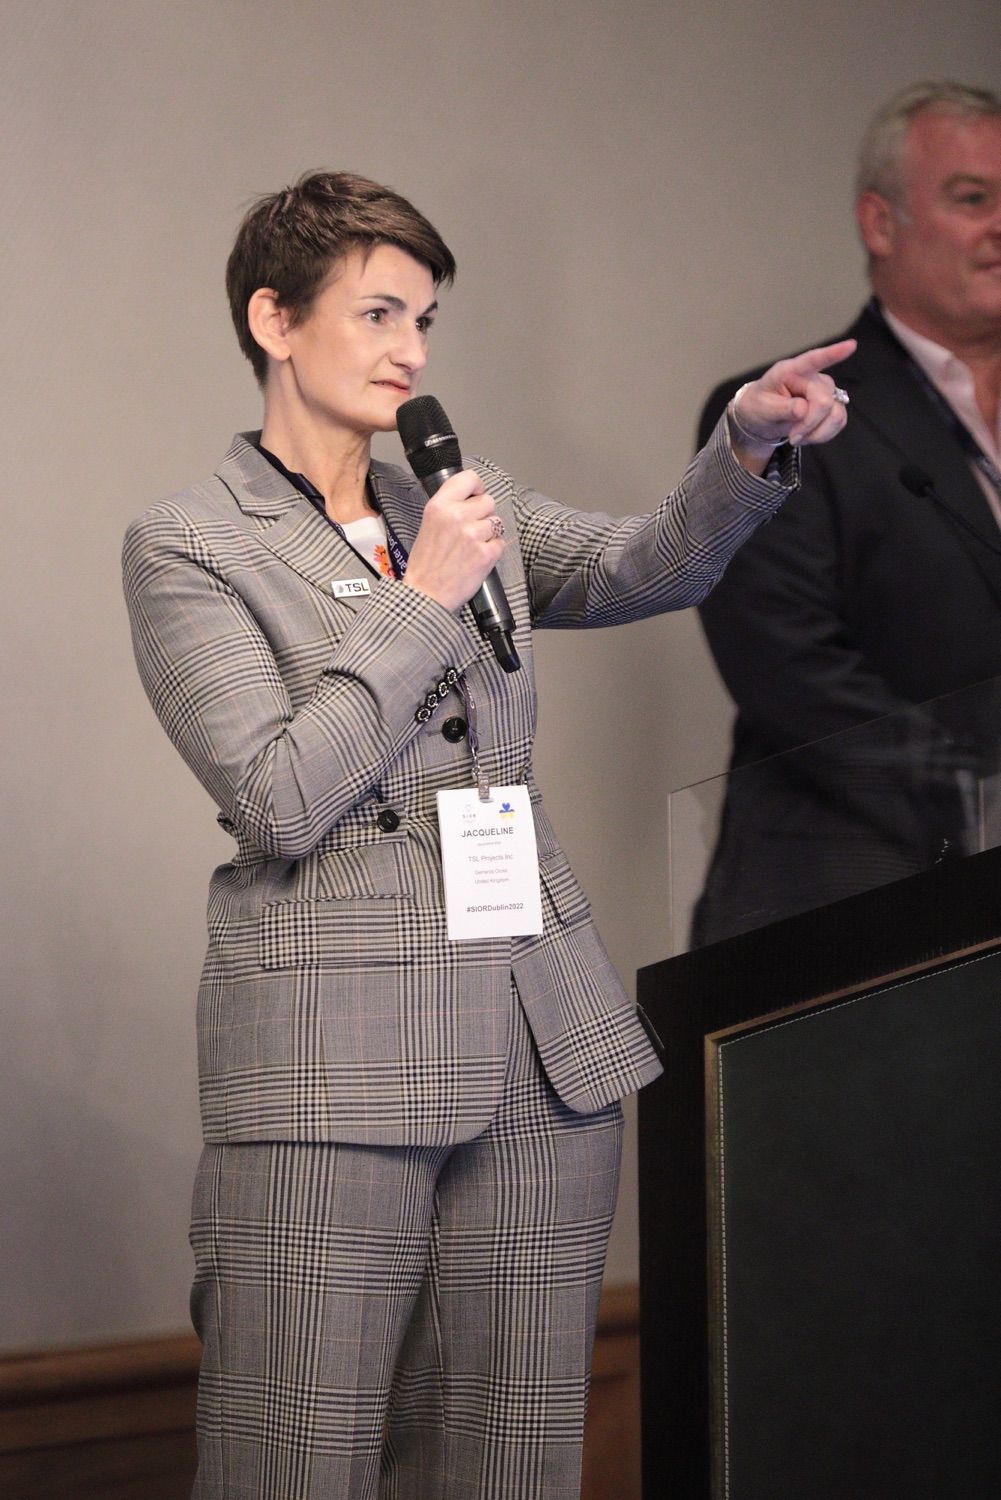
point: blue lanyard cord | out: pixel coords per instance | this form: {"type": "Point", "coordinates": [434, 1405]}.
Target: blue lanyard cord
{"type": "Point", "coordinates": [397, 551]}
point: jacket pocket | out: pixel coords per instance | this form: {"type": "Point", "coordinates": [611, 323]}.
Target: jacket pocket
{"type": "Point", "coordinates": [364, 933]}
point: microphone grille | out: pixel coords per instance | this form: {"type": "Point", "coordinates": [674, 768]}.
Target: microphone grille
{"type": "Point", "coordinates": [427, 436]}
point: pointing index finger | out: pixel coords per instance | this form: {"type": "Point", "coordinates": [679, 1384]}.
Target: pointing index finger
{"type": "Point", "coordinates": [813, 360]}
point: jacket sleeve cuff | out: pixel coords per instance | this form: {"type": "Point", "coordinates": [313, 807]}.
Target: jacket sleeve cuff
{"type": "Point", "coordinates": [765, 493]}
{"type": "Point", "coordinates": [406, 639]}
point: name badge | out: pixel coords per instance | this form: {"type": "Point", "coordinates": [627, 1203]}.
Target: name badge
{"type": "Point", "coordinates": [490, 862]}
{"type": "Point", "coordinates": [350, 588]}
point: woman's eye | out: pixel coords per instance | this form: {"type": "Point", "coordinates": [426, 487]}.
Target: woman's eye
{"type": "Point", "coordinates": [424, 324]}
{"type": "Point", "coordinates": [376, 314]}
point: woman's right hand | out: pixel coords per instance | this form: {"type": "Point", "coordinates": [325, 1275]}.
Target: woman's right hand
{"type": "Point", "coordinates": [456, 546]}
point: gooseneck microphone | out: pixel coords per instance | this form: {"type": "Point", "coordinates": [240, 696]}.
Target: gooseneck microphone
{"type": "Point", "coordinates": [922, 485]}
{"type": "Point", "coordinates": [916, 480]}
{"type": "Point", "coordinates": [432, 450]}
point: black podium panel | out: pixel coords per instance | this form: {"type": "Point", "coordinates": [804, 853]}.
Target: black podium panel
{"type": "Point", "coordinates": [855, 1286]}
{"type": "Point", "coordinates": [820, 1216]}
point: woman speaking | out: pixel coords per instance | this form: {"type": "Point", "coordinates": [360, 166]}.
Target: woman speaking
{"type": "Point", "coordinates": [412, 1045]}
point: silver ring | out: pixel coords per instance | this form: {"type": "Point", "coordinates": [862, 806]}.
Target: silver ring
{"type": "Point", "coordinates": [840, 396]}
{"type": "Point", "coordinates": [496, 528]}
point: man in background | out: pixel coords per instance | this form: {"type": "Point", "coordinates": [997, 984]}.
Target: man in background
{"type": "Point", "coordinates": [879, 586]}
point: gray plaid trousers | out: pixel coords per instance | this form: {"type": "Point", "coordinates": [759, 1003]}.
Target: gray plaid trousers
{"type": "Point", "coordinates": [405, 1322]}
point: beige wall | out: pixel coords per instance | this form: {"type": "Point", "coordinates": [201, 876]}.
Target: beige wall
{"type": "Point", "coordinates": [642, 197]}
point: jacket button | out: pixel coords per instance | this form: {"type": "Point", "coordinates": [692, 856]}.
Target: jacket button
{"type": "Point", "coordinates": [454, 730]}
{"type": "Point", "coordinates": [388, 820]}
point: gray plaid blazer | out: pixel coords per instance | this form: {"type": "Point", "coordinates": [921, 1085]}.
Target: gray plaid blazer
{"type": "Point", "coordinates": [332, 1004]}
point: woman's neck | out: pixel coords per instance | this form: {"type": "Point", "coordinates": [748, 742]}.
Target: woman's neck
{"type": "Point", "coordinates": [336, 464]}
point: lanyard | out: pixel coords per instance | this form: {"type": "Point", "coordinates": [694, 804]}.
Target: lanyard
{"type": "Point", "coordinates": [964, 437]}
{"type": "Point", "coordinates": [482, 779]}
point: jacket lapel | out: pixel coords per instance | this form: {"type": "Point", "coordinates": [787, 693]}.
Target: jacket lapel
{"type": "Point", "coordinates": [401, 500]}
{"type": "Point", "coordinates": [288, 524]}
{"type": "Point", "coordinates": [891, 400]}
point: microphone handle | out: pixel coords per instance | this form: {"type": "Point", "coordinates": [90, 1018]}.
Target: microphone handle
{"type": "Point", "coordinates": [495, 620]}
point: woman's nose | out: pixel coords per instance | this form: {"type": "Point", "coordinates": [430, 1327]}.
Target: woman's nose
{"type": "Point", "coordinates": [411, 351]}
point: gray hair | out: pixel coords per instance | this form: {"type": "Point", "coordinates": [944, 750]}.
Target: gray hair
{"type": "Point", "coordinates": [880, 161]}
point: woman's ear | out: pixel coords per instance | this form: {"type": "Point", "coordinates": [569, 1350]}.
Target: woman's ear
{"type": "Point", "coordinates": [268, 322]}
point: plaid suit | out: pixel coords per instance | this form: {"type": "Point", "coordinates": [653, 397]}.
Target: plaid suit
{"type": "Point", "coordinates": [333, 1008]}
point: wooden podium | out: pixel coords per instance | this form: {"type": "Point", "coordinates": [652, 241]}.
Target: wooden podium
{"type": "Point", "coordinates": [820, 1203]}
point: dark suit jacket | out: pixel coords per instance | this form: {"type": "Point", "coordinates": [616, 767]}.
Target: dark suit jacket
{"type": "Point", "coordinates": [858, 600]}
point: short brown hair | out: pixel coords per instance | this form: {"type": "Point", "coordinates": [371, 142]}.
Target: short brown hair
{"type": "Point", "coordinates": [290, 240]}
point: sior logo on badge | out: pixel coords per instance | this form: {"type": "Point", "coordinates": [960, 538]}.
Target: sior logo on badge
{"type": "Point", "coordinates": [350, 588]}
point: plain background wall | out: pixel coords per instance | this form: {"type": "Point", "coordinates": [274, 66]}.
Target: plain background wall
{"type": "Point", "coordinates": [642, 198]}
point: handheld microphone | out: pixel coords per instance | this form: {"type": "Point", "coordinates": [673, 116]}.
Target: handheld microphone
{"type": "Point", "coordinates": [432, 450]}
{"type": "Point", "coordinates": [922, 485]}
